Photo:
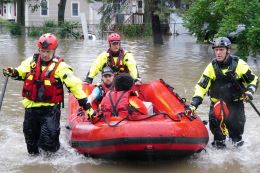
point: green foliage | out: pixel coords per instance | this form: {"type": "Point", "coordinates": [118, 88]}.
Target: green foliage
{"type": "Point", "coordinates": [130, 30]}
{"type": "Point", "coordinates": [15, 29]}
{"type": "Point", "coordinates": [67, 29]}
{"type": "Point", "coordinates": [34, 31]}
{"type": "Point", "coordinates": [12, 26]}
{"type": "Point", "coordinates": [50, 23]}
{"type": "Point", "coordinates": [147, 30]}
{"type": "Point", "coordinates": [111, 8]}
{"type": "Point", "coordinates": [210, 18]}
{"type": "Point", "coordinates": [5, 1]}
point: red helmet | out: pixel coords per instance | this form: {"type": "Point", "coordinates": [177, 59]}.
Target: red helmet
{"type": "Point", "coordinates": [48, 41]}
{"type": "Point", "coordinates": [113, 37]}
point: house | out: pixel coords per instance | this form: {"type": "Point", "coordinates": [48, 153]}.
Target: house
{"type": "Point", "coordinates": [48, 11]}
{"type": "Point", "coordinates": [128, 12]}
{"type": "Point", "coordinates": [8, 11]}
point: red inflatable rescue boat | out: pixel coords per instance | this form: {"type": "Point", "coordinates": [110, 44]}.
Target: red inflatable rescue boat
{"type": "Point", "coordinates": [165, 131]}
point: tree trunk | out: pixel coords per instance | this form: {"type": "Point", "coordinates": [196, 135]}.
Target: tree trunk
{"type": "Point", "coordinates": [20, 12]}
{"type": "Point", "coordinates": [147, 12]}
{"type": "Point", "coordinates": [177, 3]}
{"type": "Point", "coordinates": [61, 11]}
{"type": "Point", "coordinates": [156, 27]}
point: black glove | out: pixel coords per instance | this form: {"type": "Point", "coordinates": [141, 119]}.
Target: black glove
{"type": "Point", "coordinates": [88, 80]}
{"type": "Point", "coordinates": [196, 101]}
{"type": "Point", "coordinates": [190, 109]}
{"type": "Point", "coordinates": [87, 108]}
{"type": "Point", "coordinates": [248, 95]}
{"type": "Point", "coordinates": [11, 72]}
{"type": "Point", "coordinates": [138, 81]}
{"type": "Point", "coordinates": [90, 113]}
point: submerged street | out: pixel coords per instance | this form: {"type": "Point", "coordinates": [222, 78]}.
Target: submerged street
{"type": "Point", "coordinates": [180, 62]}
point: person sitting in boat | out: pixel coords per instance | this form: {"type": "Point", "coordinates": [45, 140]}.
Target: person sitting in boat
{"type": "Point", "coordinates": [119, 60]}
{"type": "Point", "coordinates": [122, 101]}
{"type": "Point", "coordinates": [102, 88]}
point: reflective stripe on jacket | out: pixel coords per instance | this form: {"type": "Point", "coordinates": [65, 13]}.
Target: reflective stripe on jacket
{"type": "Point", "coordinates": [42, 86]}
{"type": "Point", "coordinates": [128, 64]}
{"type": "Point", "coordinates": [242, 72]}
{"type": "Point", "coordinates": [64, 73]}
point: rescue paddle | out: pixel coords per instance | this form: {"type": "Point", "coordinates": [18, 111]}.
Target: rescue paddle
{"type": "Point", "coordinates": [3, 91]}
{"type": "Point", "coordinates": [229, 74]}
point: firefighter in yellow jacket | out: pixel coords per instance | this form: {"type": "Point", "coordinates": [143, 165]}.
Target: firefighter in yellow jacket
{"type": "Point", "coordinates": [119, 60]}
{"type": "Point", "coordinates": [44, 75]}
{"type": "Point", "coordinates": [230, 80]}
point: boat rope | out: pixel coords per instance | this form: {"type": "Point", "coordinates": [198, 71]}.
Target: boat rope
{"type": "Point", "coordinates": [222, 124]}
{"type": "Point", "coordinates": [141, 119]}
{"type": "Point", "coordinates": [113, 125]}
{"type": "Point", "coordinates": [170, 88]}
{"type": "Point", "coordinates": [190, 116]}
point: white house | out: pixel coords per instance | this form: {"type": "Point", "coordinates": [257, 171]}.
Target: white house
{"type": "Point", "coordinates": [8, 11]}
{"type": "Point", "coordinates": [131, 12]}
{"type": "Point", "coordinates": [73, 11]}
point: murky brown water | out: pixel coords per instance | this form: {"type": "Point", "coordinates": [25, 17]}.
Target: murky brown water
{"type": "Point", "coordinates": [180, 62]}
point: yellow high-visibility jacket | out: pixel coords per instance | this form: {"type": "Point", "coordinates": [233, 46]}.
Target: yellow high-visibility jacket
{"type": "Point", "coordinates": [102, 60]}
{"type": "Point", "coordinates": [242, 71]}
{"type": "Point", "coordinates": [63, 72]}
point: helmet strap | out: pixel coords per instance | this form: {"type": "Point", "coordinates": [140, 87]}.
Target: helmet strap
{"type": "Point", "coordinates": [227, 55]}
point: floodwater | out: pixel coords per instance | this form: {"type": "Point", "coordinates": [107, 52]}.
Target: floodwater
{"type": "Point", "coordinates": [180, 62]}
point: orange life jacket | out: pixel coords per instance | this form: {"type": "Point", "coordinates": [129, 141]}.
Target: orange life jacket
{"type": "Point", "coordinates": [41, 86]}
{"type": "Point", "coordinates": [116, 103]}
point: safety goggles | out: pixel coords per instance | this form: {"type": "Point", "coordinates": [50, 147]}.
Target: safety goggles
{"type": "Point", "coordinates": [115, 43]}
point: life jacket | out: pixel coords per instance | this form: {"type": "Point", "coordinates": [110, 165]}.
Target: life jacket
{"type": "Point", "coordinates": [221, 110]}
{"type": "Point", "coordinates": [116, 103]}
{"type": "Point", "coordinates": [224, 87]}
{"type": "Point", "coordinates": [118, 66]}
{"type": "Point", "coordinates": [41, 86]}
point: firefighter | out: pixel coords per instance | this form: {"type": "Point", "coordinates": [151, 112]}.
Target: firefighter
{"type": "Point", "coordinates": [44, 75]}
{"type": "Point", "coordinates": [229, 80]}
{"type": "Point", "coordinates": [119, 60]}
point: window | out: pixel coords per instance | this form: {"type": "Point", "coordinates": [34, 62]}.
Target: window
{"type": "Point", "coordinates": [140, 4]}
{"type": "Point", "coordinates": [75, 9]}
{"type": "Point", "coordinates": [44, 7]}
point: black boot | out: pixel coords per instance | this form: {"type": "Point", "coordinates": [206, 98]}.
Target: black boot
{"type": "Point", "coordinates": [219, 144]}
{"type": "Point", "coordinates": [238, 143]}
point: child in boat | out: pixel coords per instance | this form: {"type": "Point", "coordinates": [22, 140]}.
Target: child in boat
{"type": "Point", "coordinates": [122, 100]}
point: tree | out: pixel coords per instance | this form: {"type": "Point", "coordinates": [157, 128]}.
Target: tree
{"type": "Point", "coordinates": [61, 11]}
{"type": "Point", "coordinates": [155, 12]}
{"type": "Point", "coordinates": [210, 18]}
{"type": "Point", "coordinates": [21, 12]}
{"type": "Point", "coordinates": [153, 8]}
